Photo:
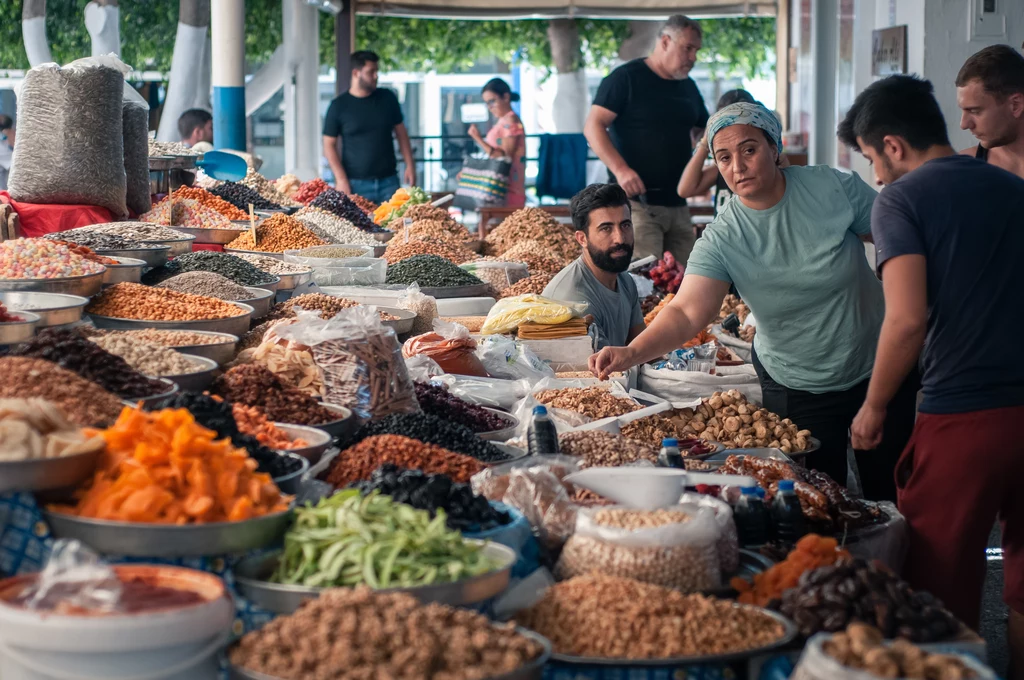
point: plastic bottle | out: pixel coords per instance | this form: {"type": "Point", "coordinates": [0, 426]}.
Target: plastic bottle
{"type": "Point", "coordinates": [541, 436]}
{"type": "Point", "coordinates": [753, 523]}
{"type": "Point", "coordinates": [787, 517]}
{"type": "Point", "coordinates": [670, 455]}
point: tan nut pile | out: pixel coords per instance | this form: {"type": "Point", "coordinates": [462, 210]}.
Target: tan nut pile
{"type": "Point", "coordinates": [267, 189]}
{"type": "Point", "coordinates": [537, 225]}
{"type": "Point", "coordinates": [536, 258]}
{"type": "Point", "coordinates": [728, 417]}
{"type": "Point", "coordinates": [861, 647]}
{"type": "Point", "coordinates": [732, 304]}
{"type": "Point", "coordinates": [689, 565]}
{"type": "Point", "coordinates": [163, 338]}
{"type": "Point", "coordinates": [399, 250]}
{"type": "Point", "coordinates": [35, 428]}
{"type": "Point", "coordinates": [360, 634]}
{"type": "Point", "coordinates": [531, 284]}
{"type": "Point", "coordinates": [651, 430]}
{"type": "Point", "coordinates": [598, 448]}
{"type": "Point", "coordinates": [605, 617]}
{"type": "Point", "coordinates": [445, 228]}
{"type": "Point", "coordinates": [426, 211]}
{"type": "Point", "coordinates": [593, 402]}
{"type": "Point", "coordinates": [136, 301]}
{"type": "Point", "coordinates": [148, 359]}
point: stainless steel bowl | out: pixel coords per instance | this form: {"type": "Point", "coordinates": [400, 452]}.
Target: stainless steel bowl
{"type": "Point", "coordinates": [199, 380]}
{"type": "Point", "coordinates": [235, 325]}
{"type": "Point", "coordinates": [515, 453]}
{"type": "Point", "coordinates": [384, 236]}
{"type": "Point", "coordinates": [153, 257]}
{"type": "Point", "coordinates": [261, 301]}
{"type": "Point", "coordinates": [531, 671]}
{"type": "Point", "coordinates": [271, 286]}
{"type": "Point", "coordinates": [127, 270]}
{"type": "Point", "coordinates": [378, 251]}
{"type": "Point", "coordinates": [480, 290]}
{"type": "Point", "coordinates": [54, 309]}
{"type": "Point", "coordinates": [292, 481]}
{"type": "Point", "coordinates": [317, 440]}
{"type": "Point", "coordinates": [293, 281]}
{"type": "Point", "coordinates": [252, 580]}
{"type": "Point", "coordinates": [277, 256]}
{"type": "Point", "coordinates": [178, 246]}
{"type": "Point", "coordinates": [405, 319]}
{"type": "Point", "coordinates": [172, 389]}
{"type": "Point", "coordinates": [503, 434]}
{"type": "Point", "coordinates": [13, 332]}
{"type": "Point", "coordinates": [86, 286]}
{"type": "Point", "coordinates": [342, 425]}
{"type": "Point", "coordinates": [244, 224]}
{"type": "Point", "coordinates": [44, 474]}
{"type": "Point", "coordinates": [136, 539]}
{"type": "Point", "coordinates": [214, 236]}
{"type": "Point", "coordinates": [222, 351]}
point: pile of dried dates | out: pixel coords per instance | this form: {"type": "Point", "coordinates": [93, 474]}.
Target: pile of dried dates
{"type": "Point", "coordinates": [829, 598]}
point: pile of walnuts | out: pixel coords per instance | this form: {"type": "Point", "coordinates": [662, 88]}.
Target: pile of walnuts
{"type": "Point", "coordinates": [728, 417]}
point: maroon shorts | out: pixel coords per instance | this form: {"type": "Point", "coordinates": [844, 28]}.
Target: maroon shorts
{"type": "Point", "coordinates": [959, 473]}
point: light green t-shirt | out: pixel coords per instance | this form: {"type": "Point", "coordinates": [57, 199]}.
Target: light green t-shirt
{"type": "Point", "coordinates": [801, 269]}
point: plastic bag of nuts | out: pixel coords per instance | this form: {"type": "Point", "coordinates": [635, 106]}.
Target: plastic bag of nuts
{"type": "Point", "coordinates": [670, 547]}
{"type": "Point", "coordinates": [360, 359]}
{"type": "Point", "coordinates": [728, 544]}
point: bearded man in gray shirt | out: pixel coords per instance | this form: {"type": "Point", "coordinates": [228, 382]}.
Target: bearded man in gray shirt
{"type": "Point", "coordinates": [604, 228]}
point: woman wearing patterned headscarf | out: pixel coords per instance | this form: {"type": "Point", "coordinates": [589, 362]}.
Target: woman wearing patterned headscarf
{"type": "Point", "coordinates": [790, 241]}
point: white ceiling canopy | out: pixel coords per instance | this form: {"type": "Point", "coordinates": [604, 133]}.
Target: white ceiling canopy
{"type": "Point", "coordinates": [552, 9]}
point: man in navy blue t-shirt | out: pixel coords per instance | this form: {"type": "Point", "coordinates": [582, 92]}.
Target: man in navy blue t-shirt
{"type": "Point", "coordinates": [949, 236]}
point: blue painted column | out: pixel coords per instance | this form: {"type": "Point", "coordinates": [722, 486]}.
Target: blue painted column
{"type": "Point", "coordinates": [517, 80]}
{"type": "Point", "coordinates": [227, 33]}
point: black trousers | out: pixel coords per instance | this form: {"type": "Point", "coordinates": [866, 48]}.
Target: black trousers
{"type": "Point", "coordinates": [829, 415]}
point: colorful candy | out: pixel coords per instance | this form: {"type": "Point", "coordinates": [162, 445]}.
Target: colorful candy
{"type": "Point", "coordinates": [37, 258]}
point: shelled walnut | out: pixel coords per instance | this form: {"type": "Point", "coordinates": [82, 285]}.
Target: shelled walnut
{"type": "Point", "coordinates": [861, 647]}
{"type": "Point", "coordinates": [729, 418]}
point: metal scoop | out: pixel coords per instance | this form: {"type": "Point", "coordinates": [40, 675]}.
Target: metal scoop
{"type": "Point", "coordinates": [224, 166]}
{"type": "Point", "coordinates": [648, 487]}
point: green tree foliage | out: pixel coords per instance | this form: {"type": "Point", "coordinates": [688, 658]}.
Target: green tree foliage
{"type": "Point", "coordinates": [740, 46]}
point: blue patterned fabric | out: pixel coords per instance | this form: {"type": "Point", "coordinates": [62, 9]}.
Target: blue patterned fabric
{"type": "Point", "coordinates": [745, 113]}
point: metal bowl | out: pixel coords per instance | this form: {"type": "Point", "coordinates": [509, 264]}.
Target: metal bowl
{"type": "Point", "coordinates": [338, 427]}
{"type": "Point", "coordinates": [214, 236]}
{"type": "Point", "coordinates": [222, 352]}
{"type": "Point", "coordinates": [128, 270]}
{"type": "Point", "coordinates": [293, 281]}
{"type": "Point", "coordinates": [276, 256]}
{"type": "Point", "coordinates": [137, 539]}
{"type": "Point", "coordinates": [405, 319]}
{"type": "Point", "coordinates": [789, 633]}
{"type": "Point", "coordinates": [252, 580]}
{"type": "Point", "coordinates": [196, 381]}
{"type": "Point", "coordinates": [235, 325]}
{"type": "Point", "coordinates": [317, 441]}
{"type": "Point", "coordinates": [54, 309]}
{"type": "Point", "coordinates": [503, 434]}
{"type": "Point", "coordinates": [261, 301]}
{"type": "Point", "coordinates": [178, 246]}
{"type": "Point", "coordinates": [751, 563]}
{"type": "Point", "coordinates": [292, 481]}
{"type": "Point", "coordinates": [172, 389]}
{"type": "Point", "coordinates": [384, 236]}
{"type": "Point", "coordinates": [799, 456]}
{"type": "Point", "coordinates": [44, 474]}
{"type": "Point", "coordinates": [245, 224]}
{"type": "Point", "coordinates": [86, 285]}
{"type": "Point", "coordinates": [153, 257]}
{"type": "Point", "coordinates": [480, 290]}
{"type": "Point", "coordinates": [531, 671]}
{"type": "Point", "coordinates": [514, 452]}
{"type": "Point", "coordinates": [377, 251]}
{"type": "Point", "coordinates": [13, 332]}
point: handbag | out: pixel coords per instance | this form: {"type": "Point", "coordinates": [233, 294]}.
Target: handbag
{"type": "Point", "coordinates": [482, 182]}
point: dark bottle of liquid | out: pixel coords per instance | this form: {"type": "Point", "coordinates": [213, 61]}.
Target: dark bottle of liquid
{"type": "Point", "coordinates": [753, 523]}
{"type": "Point", "coordinates": [787, 517]}
{"type": "Point", "coordinates": [670, 456]}
{"type": "Point", "coordinates": [541, 436]}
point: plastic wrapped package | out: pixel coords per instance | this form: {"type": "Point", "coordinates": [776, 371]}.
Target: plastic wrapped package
{"type": "Point", "coordinates": [361, 361]}
{"type": "Point", "coordinates": [345, 271]}
{"type": "Point", "coordinates": [450, 346]}
{"type": "Point", "coordinates": [70, 148]}
{"type": "Point", "coordinates": [500, 275]}
{"type": "Point", "coordinates": [135, 132]}
{"type": "Point", "coordinates": [671, 547]}
{"type": "Point", "coordinates": [508, 313]}
{"type": "Point", "coordinates": [505, 357]}
{"type": "Point", "coordinates": [425, 307]}
{"type": "Point", "coordinates": [491, 392]}
{"type": "Point", "coordinates": [816, 664]}
{"type": "Point", "coordinates": [74, 579]}
{"type": "Point", "coordinates": [728, 541]}
{"type": "Point", "coordinates": [422, 368]}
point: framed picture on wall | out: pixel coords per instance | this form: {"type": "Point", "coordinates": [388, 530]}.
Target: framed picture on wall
{"type": "Point", "coordinates": [889, 51]}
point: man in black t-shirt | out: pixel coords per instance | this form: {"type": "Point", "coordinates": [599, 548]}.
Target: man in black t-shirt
{"type": "Point", "coordinates": [363, 118]}
{"type": "Point", "coordinates": [642, 125]}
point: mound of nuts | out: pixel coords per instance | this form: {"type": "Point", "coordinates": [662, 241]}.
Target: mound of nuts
{"type": "Point", "coordinates": [593, 402]}
{"type": "Point", "coordinates": [652, 429]}
{"type": "Point", "coordinates": [136, 301]}
{"type": "Point", "coordinates": [644, 548]}
{"type": "Point", "coordinates": [862, 647]}
{"type": "Point", "coordinates": [729, 418]}
{"type": "Point", "coordinates": [598, 448]}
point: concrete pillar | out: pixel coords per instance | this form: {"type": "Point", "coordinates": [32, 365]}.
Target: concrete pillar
{"type": "Point", "coordinates": [300, 37]}
{"type": "Point", "coordinates": [227, 31]}
{"type": "Point", "coordinates": [33, 32]}
{"type": "Point", "coordinates": [101, 20]}
{"type": "Point", "coordinates": [187, 76]}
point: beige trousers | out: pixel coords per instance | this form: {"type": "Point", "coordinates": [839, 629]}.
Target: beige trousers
{"type": "Point", "coordinates": [657, 229]}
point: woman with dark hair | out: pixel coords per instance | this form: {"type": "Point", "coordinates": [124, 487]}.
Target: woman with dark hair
{"type": "Point", "coordinates": [506, 138]}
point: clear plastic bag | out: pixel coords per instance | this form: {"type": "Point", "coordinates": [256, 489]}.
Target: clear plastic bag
{"type": "Point", "coordinates": [508, 313]}
{"type": "Point", "coordinates": [815, 664]}
{"type": "Point", "coordinates": [492, 392]}
{"type": "Point", "coordinates": [505, 357]}
{"type": "Point", "coordinates": [422, 368]}
{"type": "Point", "coordinates": [728, 541]}
{"type": "Point", "coordinates": [343, 271]}
{"type": "Point", "coordinates": [361, 361]}
{"type": "Point", "coordinates": [500, 275]}
{"type": "Point", "coordinates": [135, 132]}
{"type": "Point", "coordinates": [681, 555]}
{"type": "Point", "coordinates": [74, 579]}
{"type": "Point", "coordinates": [424, 306]}
{"type": "Point", "coordinates": [450, 346]}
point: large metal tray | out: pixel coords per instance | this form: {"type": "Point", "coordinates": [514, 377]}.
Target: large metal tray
{"type": "Point", "coordinates": [136, 539]}
{"type": "Point", "coordinates": [178, 246]}
{"type": "Point", "coordinates": [235, 325]}
{"type": "Point", "coordinates": [215, 236]}
{"type": "Point", "coordinates": [54, 309]}
{"type": "Point", "coordinates": [503, 434]}
{"type": "Point", "coordinates": [338, 427]}
{"type": "Point", "coordinates": [44, 474]}
{"type": "Point", "coordinates": [457, 291]}
{"type": "Point", "coordinates": [221, 352]}
{"type": "Point", "coordinates": [128, 270]}
{"type": "Point", "coordinates": [318, 440]}
{"type": "Point", "coordinates": [789, 632]}
{"type": "Point", "coordinates": [196, 381]}
{"type": "Point", "coordinates": [13, 332]}
{"type": "Point", "coordinates": [293, 281]}
{"type": "Point", "coordinates": [86, 286]}
{"type": "Point", "coordinates": [531, 671]}
{"type": "Point", "coordinates": [153, 257]}
{"type": "Point", "coordinates": [261, 301]}
{"type": "Point", "coordinates": [405, 319]}
{"type": "Point", "coordinates": [252, 574]}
